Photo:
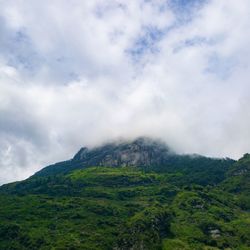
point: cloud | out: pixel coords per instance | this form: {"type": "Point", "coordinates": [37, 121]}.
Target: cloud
{"type": "Point", "coordinates": [81, 73]}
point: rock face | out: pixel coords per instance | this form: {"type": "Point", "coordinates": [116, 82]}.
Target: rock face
{"type": "Point", "coordinates": [215, 233]}
{"type": "Point", "coordinates": [141, 152]}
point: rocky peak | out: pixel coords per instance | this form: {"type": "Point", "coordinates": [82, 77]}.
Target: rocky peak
{"type": "Point", "coordinates": [81, 154]}
{"type": "Point", "coordinates": [140, 152]}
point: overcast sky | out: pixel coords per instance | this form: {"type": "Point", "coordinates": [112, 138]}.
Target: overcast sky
{"type": "Point", "coordinates": [76, 73]}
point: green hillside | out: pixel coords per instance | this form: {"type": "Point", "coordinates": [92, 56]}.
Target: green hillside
{"type": "Point", "coordinates": [130, 208]}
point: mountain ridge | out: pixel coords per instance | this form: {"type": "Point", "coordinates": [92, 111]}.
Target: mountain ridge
{"type": "Point", "coordinates": [141, 152]}
{"type": "Point", "coordinates": [189, 202]}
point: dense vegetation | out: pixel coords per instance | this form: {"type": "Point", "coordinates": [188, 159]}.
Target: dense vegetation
{"type": "Point", "coordinates": [130, 208]}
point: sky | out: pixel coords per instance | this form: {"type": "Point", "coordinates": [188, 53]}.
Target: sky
{"type": "Point", "coordinates": [80, 73]}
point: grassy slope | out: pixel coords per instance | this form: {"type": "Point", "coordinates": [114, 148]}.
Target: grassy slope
{"type": "Point", "coordinates": [120, 208]}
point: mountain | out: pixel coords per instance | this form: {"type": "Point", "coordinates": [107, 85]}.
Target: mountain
{"type": "Point", "coordinates": [144, 153]}
{"type": "Point", "coordinates": [238, 181]}
{"type": "Point", "coordinates": [130, 195]}
{"type": "Point", "coordinates": [140, 152]}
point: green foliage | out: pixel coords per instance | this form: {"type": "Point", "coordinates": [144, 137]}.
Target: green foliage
{"type": "Point", "coordinates": [128, 208]}
{"type": "Point", "coordinates": [170, 244]}
{"type": "Point", "coordinates": [238, 181]}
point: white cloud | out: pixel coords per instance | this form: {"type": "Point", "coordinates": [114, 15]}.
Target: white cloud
{"type": "Point", "coordinates": [80, 73]}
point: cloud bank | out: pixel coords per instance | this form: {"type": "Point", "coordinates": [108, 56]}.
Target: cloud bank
{"type": "Point", "coordinates": [76, 73]}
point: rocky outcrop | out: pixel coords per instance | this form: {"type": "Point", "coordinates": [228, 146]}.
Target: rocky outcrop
{"type": "Point", "coordinates": [141, 152]}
